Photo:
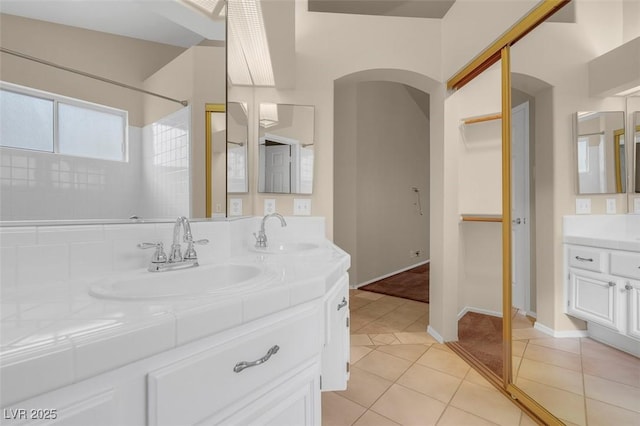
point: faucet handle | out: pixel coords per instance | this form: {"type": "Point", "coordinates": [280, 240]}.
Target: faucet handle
{"type": "Point", "coordinates": [159, 256]}
{"type": "Point", "coordinates": [201, 242]}
{"type": "Point", "coordinates": [190, 252]}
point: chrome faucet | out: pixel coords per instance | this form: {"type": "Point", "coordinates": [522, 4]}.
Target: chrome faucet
{"type": "Point", "coordinates": [176, 260]}
{"type": "Point", "coordinates": [261, 238]}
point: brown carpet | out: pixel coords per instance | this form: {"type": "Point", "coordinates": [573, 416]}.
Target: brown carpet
{"type": "Point", "coordinates": [412, 284]}
{"type": "Point", "coordinates": [481, 335]}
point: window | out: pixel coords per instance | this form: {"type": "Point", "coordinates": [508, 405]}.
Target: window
{"type": "Point", "coordinates": [583, 155]}
{"type": "Point", "coordinates": [41, 121]}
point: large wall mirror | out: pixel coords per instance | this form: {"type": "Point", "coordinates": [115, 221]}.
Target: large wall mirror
{"type": "Point", "coordinates": [285, 149]}
{"type": "Point", "coordinates": [237, 152]}
{"type": "Point", "coordinates": [600, 152]}
{"type": "Point", "coordinates": [156, 167]}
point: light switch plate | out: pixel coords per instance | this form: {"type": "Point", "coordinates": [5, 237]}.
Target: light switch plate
{"type": "Point", "coordinates": [235, 207]}
{"type": "Point", "coordinates": [301, 207]}
{"type": "Point", "coordinates": [636, 205]}
{"type": "Point", "coordinates": [611, 206]}
{"type": "Point", "coordinates": [269, 206]}
{"type": "Point", "coordinates": [583, 205]}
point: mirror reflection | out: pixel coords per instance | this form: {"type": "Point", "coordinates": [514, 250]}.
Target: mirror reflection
{"type": "Point", "coordinates": [237, 155]}
{"type": "Point", "coordinates": [600, 152]}
{"type": "Point", "coordinates": [285, 149]}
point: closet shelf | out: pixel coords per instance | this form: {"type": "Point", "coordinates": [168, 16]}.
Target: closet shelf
{"type": "Point", "coordinates": [482, 118]}
{"type": "Point", "coordinates": [481, 218]}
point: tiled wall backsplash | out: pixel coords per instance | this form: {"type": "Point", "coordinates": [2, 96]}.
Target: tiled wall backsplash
{"type": "Point", "coordinates": [35, 255]}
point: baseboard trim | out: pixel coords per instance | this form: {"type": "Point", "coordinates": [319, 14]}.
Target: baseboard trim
{"type": "Point", "coordinates": [478, 311]}
{"type": "Point", "coordinates": [433, 333]}
{"type": "Point", "coordinates": [392, 274]}
{"type": "Point", "coordinates": [559, 334]}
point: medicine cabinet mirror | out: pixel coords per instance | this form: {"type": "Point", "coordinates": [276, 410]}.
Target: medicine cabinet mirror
{"type": "Point", "coordinates": [285, 149]}
{"type": "Point", "coordinates": [600, 152]}
{"type": "Point", "coordinates": [237, 154]}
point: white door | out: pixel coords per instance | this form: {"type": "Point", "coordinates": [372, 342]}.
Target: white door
{"type": "Point", "coordinates": [520, 226]}
{"type": "Point", "coordinates": [278, 168]}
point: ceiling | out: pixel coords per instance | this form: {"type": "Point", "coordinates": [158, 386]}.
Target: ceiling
{"type": "Point", "coordinates": [163, 21]}
{"type": "Point", "coordinates": [407, 8]}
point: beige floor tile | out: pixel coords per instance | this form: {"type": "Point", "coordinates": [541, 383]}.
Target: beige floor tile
{"type": "Point", "coordinates": [566, 344]}
{"type": "Point", "coordinates": [365, 388]}
{"type": "Point", "coordinates": [552, 356]}
{"type": "Point", "coordinates": [383, 339]}
{"type": "Point", "coordinates": [384, 365]}
{"type": "Point", "coordinates": [527, 333]}
{"type": "Point", "coordinates": [368, 295]}
{"type": "Point", "coordinates": [602, 414]}
{"type": "Point", "coordinates": [430, 382]}
{"type": "Point", "coordinates": [474, 377]}
{"type": "Point", "coordinates": [562, 404]}
{"type": "Point", "coordinates": [455, 417]}
{"type": "Point", "coordinates": [378, 327]}
{"type": "Point", "coordinates": [357, 352]}
{"type": "Point", "coordinates": [613, 393]}
{"type": "Point", "coordinates": [408, 352]}
{"type": "Point", "coordinates": [408, 407]}
{"type": "Point", "coordinates": [444, 361]}
{"type": "Point", "coordinates": [442, 347]}
{"type": "Point", "coordinates": [552, 375]}
{"type": "Point", "coordinates": [339, 411]}
{"type": "Point", "coordinates": [356, 303]}
{"type": "Point", "coordinates": [486, 403]}
{"type": "Point", "coordinates": [594, 349]}
{"type": "Point", "coordinates": [617, 370]}
{"type": "Point", "coordinates": [371, 418]}
{"type": "Point", "coordinates": [418, 326]}
{"type": "Point", "coordinates": [518, 347]}
{"type": "Point", "coordinates": [356, 323]}
{"type": "Point", "coordinates": [515, 365]}
{"type": "Point", "coordinates": [360, 340]}
{"type": "Point", "coordinates": [395, 301]}
{"type": "Point", "coordinates": [525, 420]}
{"type": "Point", "coordinates": [521, 321]}
{"type": "Point", "coordinates": [415, 338]}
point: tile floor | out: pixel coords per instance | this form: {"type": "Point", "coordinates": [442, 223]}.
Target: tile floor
{"type": "Point", "coordinates": [401, 376]}
{"type": "Point", "coordinates": [579, 380]}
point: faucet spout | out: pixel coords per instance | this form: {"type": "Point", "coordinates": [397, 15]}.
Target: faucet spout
{"type": "Point", "coordinates": [261, 238]}
{"type": "Point", "coordinates": [176, 250]}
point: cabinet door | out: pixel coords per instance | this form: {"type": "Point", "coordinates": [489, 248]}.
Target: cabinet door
{"type": "Point", "coordinates": [632, 288]}
{"type": "Point", "coordinates": [594, 297]}
{"type": "Point", "coordinates": [335, 354]}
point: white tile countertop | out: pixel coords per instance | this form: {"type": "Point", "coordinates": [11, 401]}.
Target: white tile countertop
{"type": "Point", "coordinates": [617, 232]}
{"type": "Point", "coordinates": [54, 333]}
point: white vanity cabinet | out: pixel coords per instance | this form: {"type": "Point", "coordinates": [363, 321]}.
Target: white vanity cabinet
{"type": "Point", "coordinates": [335, 354]}
{"type": "Point", "coordinates": [604, 290]}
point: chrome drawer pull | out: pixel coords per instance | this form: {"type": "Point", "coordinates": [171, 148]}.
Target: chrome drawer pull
{"type": "Point", "coordinates": [612, 284]}
{"type": "Point", "coordinates": [343, 303]}
{"type": "Point", "coordinates": [584, 259]}
{"type": "Point", "coordinates": [246, 364]}
{"type": "Point", "coordinates": [628, 287]}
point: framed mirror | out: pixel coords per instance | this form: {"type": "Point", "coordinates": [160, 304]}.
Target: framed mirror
{"type": "Point", "coordinates": [600, 152]}
{"type": "Point", "coordinates": [285, 149]}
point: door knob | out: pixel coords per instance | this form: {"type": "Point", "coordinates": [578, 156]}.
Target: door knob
{"type": "Point", "coordinates": [516, 221]}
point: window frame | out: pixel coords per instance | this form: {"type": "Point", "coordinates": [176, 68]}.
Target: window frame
{"type": "Point", "coordinates": [58, 99]}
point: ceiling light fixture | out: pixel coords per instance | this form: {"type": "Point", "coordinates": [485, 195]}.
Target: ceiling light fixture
{"type": "Point", "coordinates": [246, 26]}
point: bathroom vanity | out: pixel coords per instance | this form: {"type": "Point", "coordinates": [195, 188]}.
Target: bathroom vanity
{"type": "Point", "coordinates": [602, 261]}
{"type": "Point", "coordinates": [259, 354]}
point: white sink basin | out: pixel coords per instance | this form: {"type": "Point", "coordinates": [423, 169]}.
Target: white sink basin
{"type": "Point", "coordinates": [190, 283]}
{"type": "Point", "coordinates": [286, 248]}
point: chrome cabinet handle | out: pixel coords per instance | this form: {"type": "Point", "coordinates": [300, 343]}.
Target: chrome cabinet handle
{"type": "Point", "coordinates": [246, 364]}
{"type": "Point", "coordinates": [612, 284]}
{"type": "Point", "coordinates": [343, 303]}
{"type": "Point", "coordinates": [628, 287]}
{"type": "Point", "coordinates": [584, 259]}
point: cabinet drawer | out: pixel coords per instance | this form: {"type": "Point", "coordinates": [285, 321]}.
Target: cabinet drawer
{"type": "Point", "coordinates": [199, 386]}
{"type": "Point", "coordinates": [626, 264]}
{"type": "Point", "coordinates": [589, 259]}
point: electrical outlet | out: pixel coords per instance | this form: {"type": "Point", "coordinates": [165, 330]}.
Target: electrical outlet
{"type": "Point", "coordinates": [235, 207]}
{"type": "Point", "coordinates": [583, 205]}
{"type": "Point", "coordinates": [611, 206]}
{"type": "Point", "coordinates": [218, 208]}
{"type": "Point", "coordinates": [269, 206]}
{"type": "Point", "coordinates": [301, 207]}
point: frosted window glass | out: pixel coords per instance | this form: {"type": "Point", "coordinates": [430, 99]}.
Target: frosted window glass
{"type": "Point", "coordinates": [26, 121]}
{"type": "Point", "coordinates": [89, 133]}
